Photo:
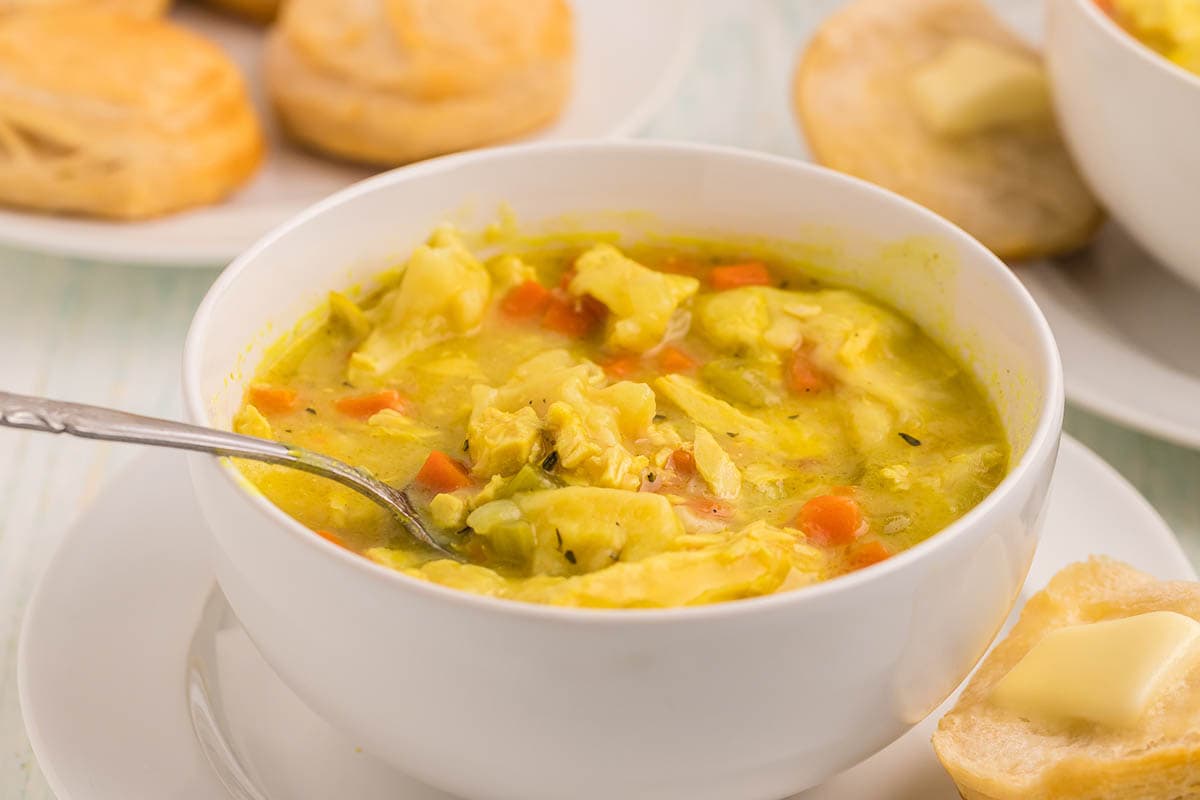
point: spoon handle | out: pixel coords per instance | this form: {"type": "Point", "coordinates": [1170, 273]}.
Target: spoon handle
{"type": "Point", "coordinates": [94, 422]}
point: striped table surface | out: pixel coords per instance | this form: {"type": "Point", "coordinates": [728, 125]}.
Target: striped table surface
{"type": "Point", "coordinates": [111, 334]}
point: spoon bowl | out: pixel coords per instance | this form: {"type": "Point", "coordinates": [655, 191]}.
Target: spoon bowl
{"type": "Point", "coordinates": [94, 422]}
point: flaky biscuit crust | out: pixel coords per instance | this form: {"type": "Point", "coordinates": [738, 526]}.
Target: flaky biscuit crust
{"type": "Point", "coordinates": [255, 10]}
{"type": "Point", "coordinates": [392, 81]}
{"type": "Point", "coordinates": [138, 8]}
{"type": "Point", "coordinates": [108, 115]}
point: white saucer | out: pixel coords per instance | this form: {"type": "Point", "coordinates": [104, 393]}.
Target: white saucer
{"type": "Point", "coordinates": [630, 54]}
{"type": "Point", "coordinates": [126, 631]}
{"type": "Point", "coordinates": [1127, 329]}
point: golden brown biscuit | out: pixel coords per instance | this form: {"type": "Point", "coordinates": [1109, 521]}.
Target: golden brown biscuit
{"type": "Point", "coordinates": [113, 116]}
{"type": "Point", "coordinates": [255, 10]}
{"type": "Point", "coordinates": [391, 81]}
{"type": "Point", "coordinates": [138, 8]}
{"type": "Point", "coordinates": [994, 754]}
{"type": "Point", "coordinates": [1016, 189]}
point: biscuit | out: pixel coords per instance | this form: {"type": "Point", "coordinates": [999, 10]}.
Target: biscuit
{"type": "Point", "coordinates": [994, 754]}
{"type": "Point", "coordinates": [1017, 190]}
{"type": "Point", "coordinates": [138, 8]}
{"type": "Point", "coordinates": [392, 81]}
{"type": "Point", "coordinates": [112, 116]}
{"type": "Point", "coordinates": [255, 10]}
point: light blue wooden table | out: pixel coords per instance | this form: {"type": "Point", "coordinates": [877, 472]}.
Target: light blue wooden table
{"type": "Point", "coordinates": [112, 335]}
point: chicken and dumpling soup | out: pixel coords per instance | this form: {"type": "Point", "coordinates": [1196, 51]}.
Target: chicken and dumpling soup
{"type": "Point", "coordinates": [643, 427]}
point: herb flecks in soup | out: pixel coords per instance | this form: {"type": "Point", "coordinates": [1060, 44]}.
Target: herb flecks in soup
{"type": "Point", "coordinates": [651, 427]}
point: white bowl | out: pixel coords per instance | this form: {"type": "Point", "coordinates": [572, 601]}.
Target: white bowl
{"type": "Point", "coordinates": [743, 701]}
{"type": "Point", "coordinates": [1132, 119]}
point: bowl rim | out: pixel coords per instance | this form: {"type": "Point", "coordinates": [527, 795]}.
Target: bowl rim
{"type": "Point", "coordinates": [1126, 40]}
{"type": "Point", "coordinates": [1042, 444]}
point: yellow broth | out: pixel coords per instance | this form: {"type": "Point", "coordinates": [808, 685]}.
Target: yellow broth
{"type": "Point", "coordinates": [648, 428]}
{"type": "Point", "coordinates": [1169, 27]}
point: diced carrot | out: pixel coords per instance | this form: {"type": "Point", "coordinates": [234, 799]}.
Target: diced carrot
{"type": "Point", "coordinates": [733, 276]}
{"type": "Point", "coordinates": [272, 399]}
{"type": "Point", "coordinates": [441, 473]}
{"type": "Point", "coordinates": [868, 553]}
{"type": "Point", "coordinates": [331, 537]}
{"type": "Point", "coordinates": [672, 359]}
{"type": "Point", "coordinates": [526, 300]}
{"type": "Point", "coordinates": [622, 366]}
{"type": "Point", "coordinates": [569, 318]}
{"type": "Point", "coordinates": [368, 405]}
{"type": "Point", "coordinates": [682, 462]}
{"type": "Point", "coordinates": [831, 519]}
{"type": "Point", "coordinates": [709, 507]}
{"type": "Point", "coordinates": [801, 376]}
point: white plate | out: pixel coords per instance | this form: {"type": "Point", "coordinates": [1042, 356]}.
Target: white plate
{"type": "Point", "coordinates": [1126, 326]}
{"type": "Point", "coordinates": [1127, 329]}
{"type": "Point", "coordinates": [630, 54]}
{"type": "Point", "coordinates": [126, 632]}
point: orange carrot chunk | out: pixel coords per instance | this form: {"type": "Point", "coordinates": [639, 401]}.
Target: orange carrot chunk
{"type": "Point", "coordinates": [272, 399]}
{"type": "Point", "coordinates": [525, 301]}
{"type": "Point", "coordinates": [622, 367]}
{"type": "Point", "coordinates": [866, 554]}
{"type": "Point", "coordinates": [364, 406]}
{"type": "Point", "coordinates": [682, 462]}
{"type": "Point", "coordinates": [733, 276]}
{"type": "Point", "coordinates": [331, 537]}
{"type": "Point", "coordinates": [672, 359]}
{"type": "Point", "coordinates": [574, 320]}
{"type": "Point", "coordinates": [801, 376]}
{"type": "Point", "coordinates": [831, 519]}
{"type": "Point", "coordinates": [441, 473]}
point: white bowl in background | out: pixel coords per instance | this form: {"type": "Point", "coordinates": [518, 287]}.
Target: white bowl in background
{"type": "Point", "coordinates": [750, 700]}
{"type": "Point", "coordinates": [1132, 119]}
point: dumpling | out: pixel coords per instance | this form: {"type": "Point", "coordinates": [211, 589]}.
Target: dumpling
{"type": "Point", "coordinates": [112, 116]}
{"type": "Point", "coordinates": [392, 81]}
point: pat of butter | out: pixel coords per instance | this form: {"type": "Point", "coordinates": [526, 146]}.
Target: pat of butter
{"type": "Point", "coordinates": [974, 85]}
{"type": "Point", "coordinates": [1104, 672]}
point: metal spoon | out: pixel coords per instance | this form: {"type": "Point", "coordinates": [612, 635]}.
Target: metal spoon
{"type": "Point", "coordinates": [93, 422]}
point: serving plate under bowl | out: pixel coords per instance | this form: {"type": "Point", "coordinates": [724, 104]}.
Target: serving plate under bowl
{"type": "Point", "coordinates": [127, 591]}
{"type": "Point", "coordinates": [629, 56]}
{"type": "Point", "coordinates": [1126, 327]}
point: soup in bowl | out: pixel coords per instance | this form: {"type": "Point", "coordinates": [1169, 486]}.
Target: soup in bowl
{"type": "Point", "coordinates": [748, 460]}
{"type": "Point", "coordinates": [662, 425]}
